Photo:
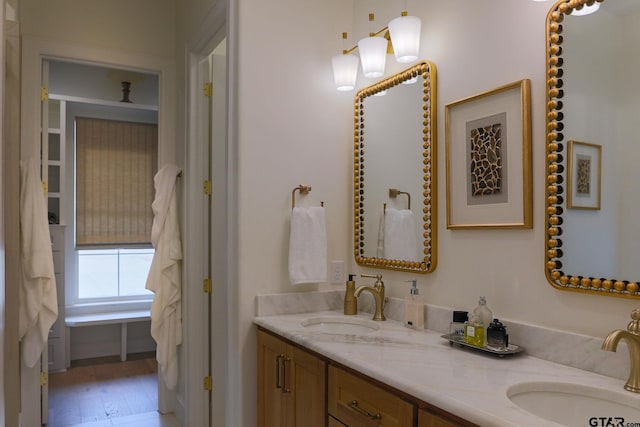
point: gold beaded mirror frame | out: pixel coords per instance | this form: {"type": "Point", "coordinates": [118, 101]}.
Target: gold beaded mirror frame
{"type": "Point", "coordinates": [556, 171]}
{"type": "Point", "coordinates": [419, 146]}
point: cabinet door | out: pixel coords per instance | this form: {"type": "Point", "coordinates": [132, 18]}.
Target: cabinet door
{"type": "Point", "coordinates": [429, 419]}
{"type": "Point", "coordinates": [308, 397]}
{"type": "Point", "coordinates": [271, 354]}
{"type": "Point", "coordinates": [291, 385]}
{"type": "Point", "coordinates": [357, 402]}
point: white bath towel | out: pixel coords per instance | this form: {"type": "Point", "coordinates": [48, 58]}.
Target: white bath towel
{"type": "Point", "coordinates": [400, 235]}
{"type": "Point", "coordinates": [308, 246]}
{"type": "Point", "coordinates": [38, 308]}
{"type": "Point", "coordinates": [165, 277]}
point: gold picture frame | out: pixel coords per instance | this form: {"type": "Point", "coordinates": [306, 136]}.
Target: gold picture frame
{"type": "Point", "coordinates": [584, 175]}
{"type": "Point", "coordinates": [488, 159]}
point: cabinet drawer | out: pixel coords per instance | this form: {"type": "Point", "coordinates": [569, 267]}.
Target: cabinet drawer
{"type": "Point", "coordinates": [60, 287]}
{"type": "Point", "coordinates": [58, 328]}
{"type": "Point", "coordinates": [56, 355]}
{"type": "Point", "coordinates": [58, 261]}
{"type": "Point", "coordinates": [57, 238]}
{"type": "Point", "coordinates": [355, 401]}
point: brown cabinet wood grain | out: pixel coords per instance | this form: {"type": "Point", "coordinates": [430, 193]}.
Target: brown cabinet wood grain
{"type": "Point", "coordinates": [356, 402]}
{"type": "Point", "coordinates": [291, 385]}
{"type": "Point", "coordinates": [429, 419]}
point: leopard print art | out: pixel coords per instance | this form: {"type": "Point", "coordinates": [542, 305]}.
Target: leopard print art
{"type": "Point", "coordinates": [486, 160]}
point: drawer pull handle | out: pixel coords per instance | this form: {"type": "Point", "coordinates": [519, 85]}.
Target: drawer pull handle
{"type": "Point", "coordinates": [279, 375]}
{"type": "Point", "coordinates": [285, 381]}
{"type": "Point", "coordinates": [354, 405]}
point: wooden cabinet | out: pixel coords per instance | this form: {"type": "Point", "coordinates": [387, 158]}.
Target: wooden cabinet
{"type": "Point", "coordinates": [300, 389]}
{"type": "Point", "coordinates": [429, 419]}
{"type": "Point", "coordinates": [291, 385]}
{"type": "Point", "coordinates": [354, 401]}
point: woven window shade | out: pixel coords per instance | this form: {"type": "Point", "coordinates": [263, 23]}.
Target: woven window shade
{"type": "Point", "coordinates": [115, 165]}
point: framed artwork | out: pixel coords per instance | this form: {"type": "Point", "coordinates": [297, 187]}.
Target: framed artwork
{"type": "Point", "coordinates": [488, 159]}
{"type": "Point", "coordinates": [584, 175]}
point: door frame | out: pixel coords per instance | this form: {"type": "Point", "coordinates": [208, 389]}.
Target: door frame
{"type": "Point", "coordinates": [207, 256]}
{"type": "Point", "coordinates": [34, 50]}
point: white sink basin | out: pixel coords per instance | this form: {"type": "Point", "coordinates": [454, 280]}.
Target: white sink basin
{"type": "Point", "coordinates": [574, 404]}
{"type": "Point", "coordinates": [340, 325]}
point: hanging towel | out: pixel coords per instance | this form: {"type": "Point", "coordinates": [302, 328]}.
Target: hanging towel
{"type": "Point", "coordinates": [38, 307]}
{"type": "Point", "coordinates": [400, 235]}
{"type": "Point", "coordinates": [165, 277]}
{"type": "Point", "coordinates": [308, 246]}
{"type": "Point", "coordinates": [380, 245]}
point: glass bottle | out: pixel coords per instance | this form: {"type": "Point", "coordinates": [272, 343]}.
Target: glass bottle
{"type": "Point", "coordinates": [483, 316]}
{"type": "Point", "coordinates": [474, 331]}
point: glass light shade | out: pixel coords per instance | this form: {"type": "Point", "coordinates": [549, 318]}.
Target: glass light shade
{"type": "Point", "coordinates": [373, 54]}
{"type": "Point", "coordinates": [405, 37]}
{"type": "Point", "coordinates": [586, 10]}
{"type": "Point", "coordinates": [345, 71]}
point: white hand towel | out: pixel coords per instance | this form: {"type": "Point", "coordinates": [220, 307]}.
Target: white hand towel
{"type": "Point", "coordinates": [165, 277]}
{"type": "Point", "coordinates": [308, 246]}
{"type": "Point", "coordinates": [400, 235]}
{"type": "Point", "coordinates": [380, 245]}
{"type": "Point", "coordinates": [38, 308]}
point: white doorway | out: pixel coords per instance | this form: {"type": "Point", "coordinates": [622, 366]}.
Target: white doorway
{"type": "Point", "coordinates": [34, 52]}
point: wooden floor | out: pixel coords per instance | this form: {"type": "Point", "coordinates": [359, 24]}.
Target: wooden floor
{"type": "Point", "coordinates": [102, 391]}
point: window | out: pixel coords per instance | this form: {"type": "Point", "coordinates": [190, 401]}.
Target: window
{"type": "Point", "coordinates": [113, 273]}
{"type": "Point", "coordinates": [115, 164]}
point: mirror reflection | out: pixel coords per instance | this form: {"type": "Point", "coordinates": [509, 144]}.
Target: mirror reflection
{"type": "Point", "coordinates": [394, 172]}
{"type": "Point", "coordinates": [592, 236]}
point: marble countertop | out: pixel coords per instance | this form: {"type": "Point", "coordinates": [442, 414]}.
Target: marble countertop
{"type": "Point", "coordinates": [465, 382]}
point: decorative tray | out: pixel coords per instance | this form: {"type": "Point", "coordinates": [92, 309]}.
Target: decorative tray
{"type": "Point", "coordinates": [456, 339]}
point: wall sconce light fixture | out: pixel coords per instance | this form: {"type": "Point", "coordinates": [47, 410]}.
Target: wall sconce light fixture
{"type": "Point", "coordinates": [402, 37]}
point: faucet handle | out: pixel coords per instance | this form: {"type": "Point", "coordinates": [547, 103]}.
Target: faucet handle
{"type": "Point", "coordinates": [634, 325]}
{"type": "Point", "coordinates": [378, 278]}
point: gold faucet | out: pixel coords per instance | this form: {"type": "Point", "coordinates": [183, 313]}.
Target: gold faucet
{"type": "Point", "coordinates": [632, 336]}
{"type": "Point", "coordinates": [378, 294]}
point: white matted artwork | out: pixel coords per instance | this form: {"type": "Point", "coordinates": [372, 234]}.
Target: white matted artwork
{"type": "Point", "coordinates": [488, 159]}
{"type": "Point", "coordinates": [584, 175]}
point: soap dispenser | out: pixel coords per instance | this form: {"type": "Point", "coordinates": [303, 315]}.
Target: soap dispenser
{"type": "Point", "coordinates": [350, 300]}
{"type": "Point", "coordinates": [413, 309]}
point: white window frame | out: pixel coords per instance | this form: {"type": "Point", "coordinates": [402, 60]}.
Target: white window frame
{"type": "Point", "coordinates": [93, 300]}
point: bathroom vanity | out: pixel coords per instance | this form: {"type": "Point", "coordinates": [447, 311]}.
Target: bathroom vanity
{"type": "Point", "coordinates": [293, 382]}
{"type": "Point", "coordinates": [324, 368]}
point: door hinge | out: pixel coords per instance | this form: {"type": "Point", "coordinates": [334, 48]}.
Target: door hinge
{"type": "Point", "coordinates": [44, 379]}
{"type": "Point", "coordinates": [207, 187]}
{"type": "Point", "coordinates": [207, 285]}
{"type": "Point", "coordinates": [208, 383]}
{"type": "Point", "coordinates": [45, 187]}
{"type": "Point", "coordinates": [208, 89]}
{"type": "Point", "coordinates": [44, 93]}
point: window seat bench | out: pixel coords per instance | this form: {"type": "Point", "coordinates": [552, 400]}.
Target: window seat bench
{"type": "Point", "coordinates": [123, 318]}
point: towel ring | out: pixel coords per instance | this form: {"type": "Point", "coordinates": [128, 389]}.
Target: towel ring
{"type": "Point", "coordinates": [303, 189]}
{"type": "Point", "coordinates": [394, 192]}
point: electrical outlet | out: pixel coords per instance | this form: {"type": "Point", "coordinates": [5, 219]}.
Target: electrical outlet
{"type": "Point", "coordinates": [337, 272]}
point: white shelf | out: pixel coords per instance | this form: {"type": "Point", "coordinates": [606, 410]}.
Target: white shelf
{"type": "Point", "coordinates": [104, 102]}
